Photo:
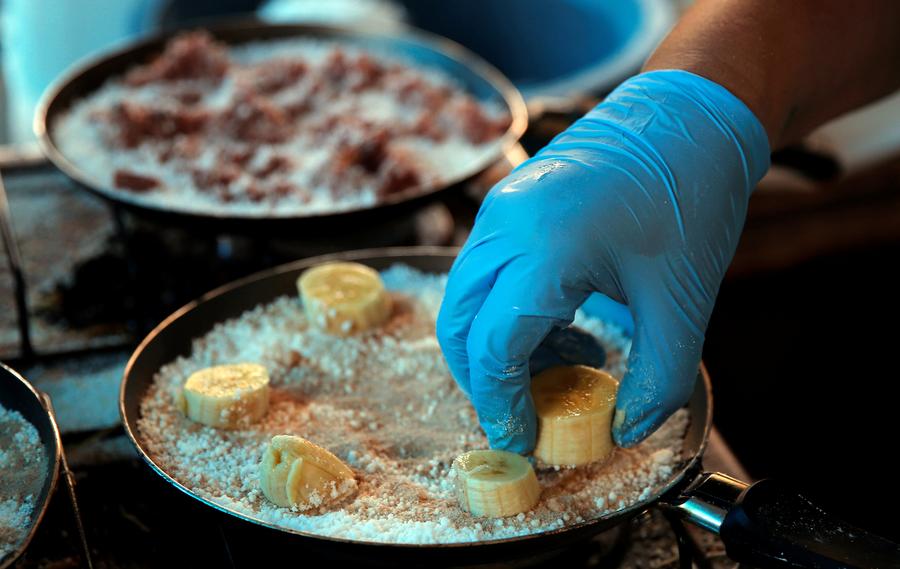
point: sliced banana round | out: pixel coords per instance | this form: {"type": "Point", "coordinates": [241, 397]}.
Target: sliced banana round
{"type": "Point", "coordinates": [226, 396]}
{"type": "Point", "coordinates": [575, 406]}
{"type": "Point", "coordinates": [495, 483]}
{"type": "Point", "coordinates": [295, 473]}
{"type": "Point", "coordinates": [344, 298]}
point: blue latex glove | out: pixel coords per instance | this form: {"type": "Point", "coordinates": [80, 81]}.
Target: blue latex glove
{"type": "Point", "coordinates": [642, 200]}
{"type": "Point", "coordinates": [567, 346]}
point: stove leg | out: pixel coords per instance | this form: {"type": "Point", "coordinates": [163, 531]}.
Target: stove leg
{"type": "Point", "coordinates": [690, 554]}
{"type": "Point", "coordinates": [18, 273]}
{"type": "Point", "coordinates": [124, 239]}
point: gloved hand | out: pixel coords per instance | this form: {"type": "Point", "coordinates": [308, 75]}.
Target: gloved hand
{"type": "Point", "coordinates": [642, 200]}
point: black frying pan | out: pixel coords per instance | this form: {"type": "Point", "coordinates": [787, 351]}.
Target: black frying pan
{"type": "Point", "coordinates": [763, 523]}
{"type": "Point", "coordinates": [18, 395]}
{"type": "Point", "coordinates": [474, 74]}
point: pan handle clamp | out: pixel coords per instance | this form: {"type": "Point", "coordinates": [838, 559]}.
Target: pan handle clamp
{"type": "Point", "coordinates": [770, 524]}
{"type": "Point", "coordinates": [708, 499]}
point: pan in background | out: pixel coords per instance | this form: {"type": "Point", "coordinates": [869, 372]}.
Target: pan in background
{"type": "Point", "coordinates": [477, 77]}
{"type": "Point", "coordinates": [18, 395]}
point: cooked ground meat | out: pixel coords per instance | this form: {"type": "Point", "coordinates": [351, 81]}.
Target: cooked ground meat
{"type": "Point", "coordinates": [295, 125]}
{"type": "Point", "coordinates": [193, 55]}
{"type": "Point", "coordinates": [135, 182]}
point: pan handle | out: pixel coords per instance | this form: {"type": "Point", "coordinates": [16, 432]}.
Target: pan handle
{"type": "Point", "coordinates": [768, 524]}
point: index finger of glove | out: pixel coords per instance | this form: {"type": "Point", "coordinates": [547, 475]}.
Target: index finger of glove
{"type": "Point", "coordinates": [468, 285]}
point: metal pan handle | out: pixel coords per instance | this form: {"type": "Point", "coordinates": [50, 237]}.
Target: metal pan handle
{"type": "Point", "coordinates": [768, 524]}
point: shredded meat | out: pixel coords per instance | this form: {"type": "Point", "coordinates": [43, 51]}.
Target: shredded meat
{"type": "Point", "coordinates": [255, 118]}
{"type": "Point", "coordinates": [272, 76]}
{"type": "Point", "coordinates": [393, 170]}
{"type": "Point", "coordinates": [220, 177]}
{"type": "Point", "coordinates": [136, 123]}
{"type": "Point", "coordinates": [258, 191]}
{"type": "Point", "coordinates": [399, 179]}
{"type": "Point", "coordinates": [193, 55]}
{"type": "Point", "coordinates": [298, 107]}
{"type": "Point", "coordinates": [427, 125]}
{"type": "Point", "coordinates": [399, 173]}
{"type": "Point", "coordinates": [255, 192]}
{"type": "Point", "coordinates": [364, 73]}
{"type": "Point", "coordinates": [238, 157]}
{"type": "Point", "coordinates": [275, 164]}
{"type": "Point", "coordinates": [476, 126]}
{"type": "Point", "coordinates": [284, 189]}
{"type": "Point", "coordinates": [189, 97]}
{"type": "Point", "coordinates": [335, 68]}
{"type": "Point", "coordinates": [135, 182]}
{"type": "Point", "coordinates": [417, 91]}
{"type": "Point", "coordinates": [184, 147]}
{"type": "Point", "coordinates": [366, 154]}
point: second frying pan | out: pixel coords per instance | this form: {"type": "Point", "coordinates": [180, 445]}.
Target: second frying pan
{"type": "Point", "coordinates": [18, 395]}
{"type": "Point", "coordinates": [757, 523]}
{"type": "Point", "coordinates": [471, 72]}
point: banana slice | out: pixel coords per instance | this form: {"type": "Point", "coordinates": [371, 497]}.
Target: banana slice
{"type": "Point", "coordinates": [297, 473]}
{"type": "Point", "coordinates": [575, 406]}
{"type": "Point", "coordinates": [226, 396]}
{"type": "Point", "coordinates": [495, 483]}
{"type": "Point", "coordinates": [344, 298]}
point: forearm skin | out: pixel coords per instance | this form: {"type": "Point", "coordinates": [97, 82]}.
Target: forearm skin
{"type": "Point", "coordinates": [795, 63]}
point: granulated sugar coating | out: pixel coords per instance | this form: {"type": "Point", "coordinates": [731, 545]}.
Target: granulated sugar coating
{"type": "Point", "coordinates": [23, 464]}
{"type": "Point", "coordinates": [386, 404]}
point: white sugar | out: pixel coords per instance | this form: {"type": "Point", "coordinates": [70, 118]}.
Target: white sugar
{"type": "Point", "coordinates": [23, 465]}
{"type": "Point", "coordinates": [386, 404]}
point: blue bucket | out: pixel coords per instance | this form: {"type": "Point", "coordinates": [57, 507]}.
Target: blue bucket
{"type": "Point", "coordinates": [553, 48]}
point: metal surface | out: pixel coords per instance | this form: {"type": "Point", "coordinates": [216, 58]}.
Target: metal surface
{"type": "Point", "coordinates": [710, 498]}
{"type": "Point", "coordinates": [174, 336]}
{"type": "Point", "coordinates": [703, 514]}
{"type": "Point", "coordinates": [14, 257]}
{"type": "Point", "coordinates": [58, 228]}
{"type": "Point", "coordinates": [477, 77]}
{"type": "Point", "coordinates": [17, 394]}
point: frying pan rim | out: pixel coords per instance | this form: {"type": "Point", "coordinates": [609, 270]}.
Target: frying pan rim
{"type": "Point", "coordinates": [362, 255]}
{"type": "Point", "coordinates": [54, 474]}
{"type": "Point", "coordinates": [510, 95]}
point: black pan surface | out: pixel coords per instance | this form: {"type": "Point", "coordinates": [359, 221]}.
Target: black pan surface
{"type": "Point", "coordinates": [474, 74]}
{"type": "Point", "coordinates": [17, 394]}
{"type": "Point", "coordinates": [173, 337]}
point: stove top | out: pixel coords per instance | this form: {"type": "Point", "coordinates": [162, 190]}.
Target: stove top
{"type": "Point", "coordinates": [97, 281]}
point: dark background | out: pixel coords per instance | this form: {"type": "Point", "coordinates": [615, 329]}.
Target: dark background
{"type": "Point", "coordinates": [804, 367]}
